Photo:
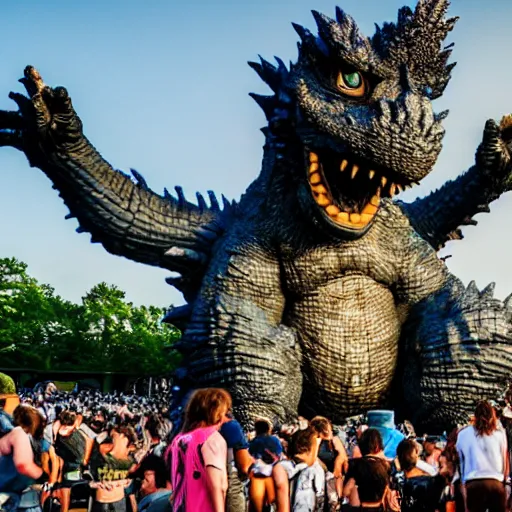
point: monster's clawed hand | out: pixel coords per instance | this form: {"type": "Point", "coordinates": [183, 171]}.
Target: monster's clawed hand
{"type": "Point", "coordinates": [45, 122]}
{"type": "Point", "coordinates": [494, 155]}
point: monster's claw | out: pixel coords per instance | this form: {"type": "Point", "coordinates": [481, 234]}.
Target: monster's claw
{"type": "Point", "coordinates": [491, 131]}
{"type": "Point", "coordinates": [32, 81]}
{"type": "Point", "coordinates": [11, 138]}
{"type": "Point", "coordinates": [22, 101]}
{"type": "Point", "coordinates": [10, 120]}
{"type": "Point", "coordinates": [61, 101]}
{"type": "Point", "coordinates": [506, 128]}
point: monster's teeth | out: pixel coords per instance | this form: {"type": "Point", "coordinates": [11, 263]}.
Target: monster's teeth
{"type": "Point", "coordinates": [375, 201]}
{"type": "Point", "coordinates": [322, 200]}
{"type": "Point", "coordinates": [355, 218]}
{"type": "Point", "coordinates": [383, 181]}
{"type": "Point", "coordinates": [343, 165]}
{"type": "Point", "coordinates": [319, 189]}
{"type": "Point", "coordinates": [371, 208]}
{"type": "Point", "coordinates": [371, 174]}
{"type": "Point", "coordinates": [313, 167]}
{"type": "Point", "coordinates": [313, 157]}
{"type": "Point", "coordinates": [366, 217]}
{"type": "Point", "coordinates": [399, 188]}
{"type": "Point", "coordinates": [332, 210]}
{"type": "Point", "coordinates": [315, 178]}
{"type": "Point", "coordinates": [392, 189]}
{"type": "Point", "coordinates": [342, 217]}
{"type": "Point", "coordinates": [355, 168]}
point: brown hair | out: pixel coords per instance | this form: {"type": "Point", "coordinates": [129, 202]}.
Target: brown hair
{"type": "Point", "coordinates": [67, 418]}
{"type": "Point", "coordinates": [407, 453]}
{"type": "Point", "coordinates": [370, 442]}
{"type": "Point", "coordinates": [128, 432]}
{"type": "Point", "coordinates": [321, 425]}
{"type": "Point", "coordinates": [301, 442]}
{"type": "Point", "coordinates": [30, 420]}
{"type": "Point", "coordinates": [485, 418]}
{"type": "Point", "coordinates": [205, 408]}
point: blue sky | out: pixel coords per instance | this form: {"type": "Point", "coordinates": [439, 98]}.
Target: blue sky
{"type": "Point", "coordinates": [162, 86]}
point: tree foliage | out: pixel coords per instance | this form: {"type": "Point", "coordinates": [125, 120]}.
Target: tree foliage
{"type": "Point", "coordinates": [42, 331]}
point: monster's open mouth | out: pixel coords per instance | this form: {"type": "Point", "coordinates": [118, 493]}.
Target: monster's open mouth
{"type": "Point", "coordinates": [348, 189]}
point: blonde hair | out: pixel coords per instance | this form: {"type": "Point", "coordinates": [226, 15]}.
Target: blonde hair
{"type": "Point", "coordinates": [206, 407]}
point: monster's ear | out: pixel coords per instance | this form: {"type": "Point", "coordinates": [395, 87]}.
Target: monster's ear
{"type": "Point", "coordinates": [416, 41]}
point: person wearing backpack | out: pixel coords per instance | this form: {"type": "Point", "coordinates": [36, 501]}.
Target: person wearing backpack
{"type": "Point", "coordinates": [299, 484]}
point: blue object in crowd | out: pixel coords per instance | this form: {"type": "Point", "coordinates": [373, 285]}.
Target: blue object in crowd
{"type": "Point", "coordinates": [384, 422]}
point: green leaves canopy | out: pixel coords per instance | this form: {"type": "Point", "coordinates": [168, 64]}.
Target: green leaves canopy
{"type": "Point", "coordinates": [40, 330]}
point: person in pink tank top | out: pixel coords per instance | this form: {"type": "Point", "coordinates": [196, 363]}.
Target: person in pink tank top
{"type": "Point", "coordinates": [199, 454]}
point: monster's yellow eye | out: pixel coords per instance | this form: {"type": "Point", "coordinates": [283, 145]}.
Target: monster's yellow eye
{"type": "Point", "coordinates": [352, 84]}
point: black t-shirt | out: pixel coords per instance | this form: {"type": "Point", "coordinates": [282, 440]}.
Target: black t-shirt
{"type": "Point", "coordinates": [422, 493]}
{"type": "Point", "coordinates": [71, 449]}
{"type": "Point", "coordinates": [327, 454]}
{"type": "Point", "coordinates": [371, 475]}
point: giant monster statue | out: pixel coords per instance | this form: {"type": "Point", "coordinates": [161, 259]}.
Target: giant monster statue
{"type": "Point", "coordinates": [317, 291]}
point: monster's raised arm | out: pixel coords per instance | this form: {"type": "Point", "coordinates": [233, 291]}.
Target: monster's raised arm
{"type": "Point", "coordinates": [439, 216]}
{"type": "Point", "coordinates": [127, 218]}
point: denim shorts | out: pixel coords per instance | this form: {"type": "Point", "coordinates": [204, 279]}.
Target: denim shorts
{"type": "Point", "coordinates": [116, 506]}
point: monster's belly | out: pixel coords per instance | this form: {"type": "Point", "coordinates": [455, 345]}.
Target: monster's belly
{"type": "Point", "coordinates": [349, 332]}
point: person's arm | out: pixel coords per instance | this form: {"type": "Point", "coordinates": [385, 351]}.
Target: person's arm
{"type": "Point", "coordinates": [282, 486]}
{"type": "Point", "coordinates": [356, 452]}
{"type": "Point", "coordinates": [89, 445]}
{"type": "Point", "coordinates": [22, 455]}
{"type": "Point", "coordinates": [235, 438]}
{"type": "Point", "coordinates": [133, 502]}
{"type": "Point", "coordinates": [504, 454]}
{"type": "Point", "coordinates": [215, 454]}
{"type": "Point", "coordinates": [216, 487]}
{"type": "Point", "coordinates": [349, 486]}
{"type": "Point", "coordinates": [462, 474]}
{"type": "Point", "coordinates": [341, 461]}
{"type": "Point", "coordinates": [243, 461]}
{"type": "Point", "coordinates": [50, 465]}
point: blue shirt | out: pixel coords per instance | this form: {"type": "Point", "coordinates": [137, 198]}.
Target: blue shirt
{"type": "Point", "coordinates": [156, 502]}
{"type": "Point", "coordinates": [391, 439]}
{"type": "Point", "coordinates": [260, 447]}
{"type": "Point", "coordinates": [234, 435]}
{"type": "Point", "coordinates": [5, 423]}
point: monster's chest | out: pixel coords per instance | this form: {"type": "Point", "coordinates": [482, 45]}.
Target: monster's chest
{"type": "Point", "coordinates": [346, 318]}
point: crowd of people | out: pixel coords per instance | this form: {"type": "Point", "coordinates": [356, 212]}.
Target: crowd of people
{"type": "Point", "coordinates": [115, 453]}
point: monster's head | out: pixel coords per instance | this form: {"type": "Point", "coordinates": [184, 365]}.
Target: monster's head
{"type": "Point", "coordinates": [361, 110]}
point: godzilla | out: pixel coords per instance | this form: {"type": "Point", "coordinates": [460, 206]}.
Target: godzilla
{"type": "Point", "coordinates": [317, 292]}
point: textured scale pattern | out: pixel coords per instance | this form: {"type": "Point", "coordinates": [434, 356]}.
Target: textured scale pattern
{"type": "Point", "coordinates": [317, 292]}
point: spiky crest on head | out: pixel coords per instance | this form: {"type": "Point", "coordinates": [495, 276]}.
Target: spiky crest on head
{"type": "Point", "coordinates": [345, 41]}
{"type": "Point", "coordinates": [275, 77]}
{"type": "Point", "coordinates": [416, 41]}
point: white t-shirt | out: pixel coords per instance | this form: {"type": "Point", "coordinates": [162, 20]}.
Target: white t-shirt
{"type": "Point", "coordinates": [482, 456]}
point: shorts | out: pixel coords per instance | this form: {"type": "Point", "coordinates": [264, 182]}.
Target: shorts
{"type": "Point", "coordinates": [116, 506]}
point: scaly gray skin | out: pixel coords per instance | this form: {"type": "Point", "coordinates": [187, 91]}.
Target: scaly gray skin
{"type": "Point", "coordinates": [316, 292]}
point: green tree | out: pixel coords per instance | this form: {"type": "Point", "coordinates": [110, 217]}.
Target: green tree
{"type": "Point", "coordinates": [25, 310]}
{"type": "Point", "coordinates": [40, 330]}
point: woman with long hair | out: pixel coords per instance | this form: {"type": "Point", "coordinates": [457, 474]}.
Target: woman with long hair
{"type": "Point", "coordinates": [482, 449]}
{"type": "Point", "coordinates": [199, 454]}
{"type": "Point", "coordinates": [333, 456]}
